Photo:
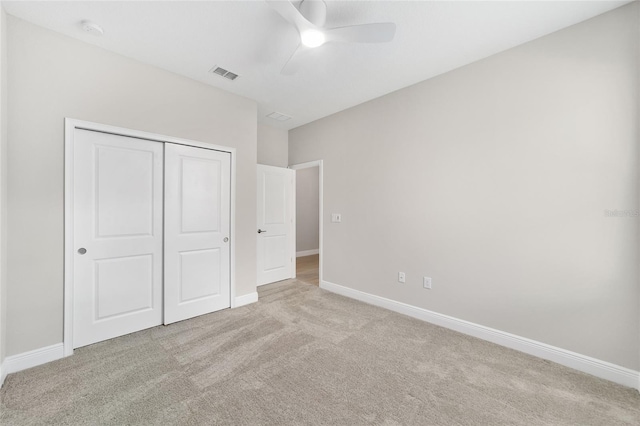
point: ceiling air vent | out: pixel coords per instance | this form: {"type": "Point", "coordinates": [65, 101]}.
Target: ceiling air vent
{"type": "Point", "coordinates": [279, 117]}
{"type": "Point", "coordinates": [224, 73]}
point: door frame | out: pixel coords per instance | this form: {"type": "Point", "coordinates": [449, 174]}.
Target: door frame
{"type": "Point", "coordinates": [320, 166]}
{"type": "Point", "coordinates": [70, 126]}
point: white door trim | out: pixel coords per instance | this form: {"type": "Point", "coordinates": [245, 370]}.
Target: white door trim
{"type": "Point", "coordinates": [70, 126]}
{"type": "Point", "coordinates": [319, 165]}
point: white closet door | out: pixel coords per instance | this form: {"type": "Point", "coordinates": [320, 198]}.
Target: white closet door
{"type": "Point", "coordinates": [197, 231]}
{"type": "Point", "coordinates": [117, 236]}
{"type": "Point", "coordinates": [276, 245]}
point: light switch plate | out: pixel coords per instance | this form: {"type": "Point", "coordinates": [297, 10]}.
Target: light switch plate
{"type": "Point", "coordinates": [336, 217]}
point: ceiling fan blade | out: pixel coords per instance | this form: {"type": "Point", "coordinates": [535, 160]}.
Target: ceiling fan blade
{"type": "Point", "coordinates": [293, 64]}
{"type": "Point", "coordinates": [366, 33]}
{"type": "Point", "coordinates": [303, 55]}
{"type": "Point", "coordinates": [290, 14]}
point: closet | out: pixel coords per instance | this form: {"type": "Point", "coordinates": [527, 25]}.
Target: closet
{"type": "Point", "coordinates": [151, 233]}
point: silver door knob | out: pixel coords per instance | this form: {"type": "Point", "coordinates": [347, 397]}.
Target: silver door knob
{"type": "Point", "coordinates": [82, 250]}
{"type": "Point", "coordinates": [260, 231]}
{"type": "Point", "coordinates": [226, 239]}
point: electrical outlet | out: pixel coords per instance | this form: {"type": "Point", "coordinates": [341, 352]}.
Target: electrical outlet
{"type": "Point", "coordinates": [336, 217]}
{"type": "Point", "coordinates": [426, 282]}
{"type": "Point", "coordinates": [401, 277]}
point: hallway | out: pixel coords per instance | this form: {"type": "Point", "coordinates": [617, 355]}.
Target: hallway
{"type": "Point", "coordinates": [307, 269]}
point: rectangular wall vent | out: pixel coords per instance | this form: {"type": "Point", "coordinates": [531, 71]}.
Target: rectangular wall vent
{"type": "Point", "coordinates": [223, 73]}
{"type": "Point", "coordinates": [278, 116]}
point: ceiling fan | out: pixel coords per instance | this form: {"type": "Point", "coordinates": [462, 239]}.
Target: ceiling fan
{"type": "Point", "coordinates": [309, 20]}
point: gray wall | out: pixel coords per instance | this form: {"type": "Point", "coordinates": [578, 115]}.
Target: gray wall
{"type": "Point", "coordinates": [52, 77]}
{"type": "Point", "coordinates": [307, 209]}
{"type": "Point", "coordinates": [493, 180]}
{"type": "Point", "coordinates": [273, 146]}
{"type": "Point", "coordinates": [3, 184]}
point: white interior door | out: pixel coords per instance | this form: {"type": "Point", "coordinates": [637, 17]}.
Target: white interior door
{"type": "Point", "coordinates": [197, 231]}
{"type": "Point", "coordinates": [276, 248]}
{"type": "Point", "coordinates": [117, 236]}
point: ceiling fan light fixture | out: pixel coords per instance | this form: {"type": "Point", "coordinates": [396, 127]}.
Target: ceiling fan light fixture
{"type": "Point", "coordinates": [312, 38]}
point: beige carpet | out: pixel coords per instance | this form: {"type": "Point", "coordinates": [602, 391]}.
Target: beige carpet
{"type": "Point", "coordinates": [305, 356]}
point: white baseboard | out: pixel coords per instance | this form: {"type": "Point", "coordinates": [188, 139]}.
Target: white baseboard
{"type": "Point", "coordinates": [33, 358]}
{"type": "Point", "coordinates": [246, 299]}
{"type": "Point", "coordinates": [307, 252]}
{"type": "Point", "coordinates": [3, 374]}
{"type": "Point", "coordinates": [586, 364]}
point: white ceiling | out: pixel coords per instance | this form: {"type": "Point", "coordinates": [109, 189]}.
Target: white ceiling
{"type": "Point", "coordinates": [250, 39]}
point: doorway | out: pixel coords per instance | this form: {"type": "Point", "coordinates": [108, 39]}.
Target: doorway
{"type": "Point", "coordinates": [309, 177]}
